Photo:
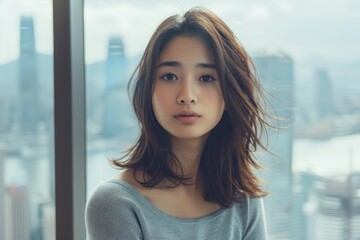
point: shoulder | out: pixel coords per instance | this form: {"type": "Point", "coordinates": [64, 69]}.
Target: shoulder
{"type": "Point", "coordinates": [254, 204]}
{"type": "Point", "coordinates": [255, 218]}
{"type": "Point", "coordinates": [247, 207]}
{"type": "Point", "coordinates": [110, 192]}
{"type": "Point", "coordinates": [112, 196]}
{"type": "Point", "coordinates": [110, 210]}
{"type": "Point", "coordinates": [256, 210]}
{"type": "Point", "coordinates": [122, 188]}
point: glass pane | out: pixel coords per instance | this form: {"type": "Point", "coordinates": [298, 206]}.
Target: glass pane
{"type": "Point", "coordinates": [27, 209]}
{"type": "Point", "coordinates": [307, 61]}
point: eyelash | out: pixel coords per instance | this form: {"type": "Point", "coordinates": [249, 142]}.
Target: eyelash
{"type": "Point", "coordinates": [164, 77]}
{"type": "Point", "coordinates": [168, 74]}
{"type": "Point", "coordinates": [211, 77]}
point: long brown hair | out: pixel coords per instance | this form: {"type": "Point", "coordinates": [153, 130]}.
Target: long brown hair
{"type": "Point", "coordinates": [227, 163]}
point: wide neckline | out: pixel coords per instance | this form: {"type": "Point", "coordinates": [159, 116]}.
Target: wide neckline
{"type": "Point", "coordinates": [150, 206]}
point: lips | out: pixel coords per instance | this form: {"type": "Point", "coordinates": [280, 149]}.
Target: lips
{"type": "Point", "coordinates": [187, 117]}
{"type": "Point", "coordinates": [187, 114]}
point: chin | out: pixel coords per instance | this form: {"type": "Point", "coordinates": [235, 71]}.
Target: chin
{"type": "Point", "coordinates": [189, 136]}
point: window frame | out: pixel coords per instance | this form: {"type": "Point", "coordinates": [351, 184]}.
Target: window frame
{"type": "Point", "coordinates": [69, 119]}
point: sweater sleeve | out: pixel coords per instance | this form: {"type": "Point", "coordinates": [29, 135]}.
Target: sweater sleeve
{"type": "Point", "coordinates": [110, 215]}
{"type": "Point", "coordinates": [256, 228]}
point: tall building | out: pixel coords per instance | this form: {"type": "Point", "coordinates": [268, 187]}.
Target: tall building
{"type": "Point", "coordinates": [29, 104]}
{"type": "Point", "coordinates": [277, 78]}
{"type": "Point", "coordinates": [303, 186]}
{"type": "Point", "coordinates": [116, 106]}
{"type": "Point", "coordinates": [336, 209]}
{"type": "Point", "coordinates": [323, 94]}
{"type": "Point", "coordinates": [116, 68]}
{"type": "Point", "coordinates": [17, 219]}
{"type": "Point", "coordinates": [5, 113]}
{"type": "Point", "coordinates": [2, 193]}
{"type": "Point", "coordinates": [47, 223]}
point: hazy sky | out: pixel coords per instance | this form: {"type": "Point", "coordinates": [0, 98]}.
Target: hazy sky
{"type": "Point", "coordinates": [301, 28]}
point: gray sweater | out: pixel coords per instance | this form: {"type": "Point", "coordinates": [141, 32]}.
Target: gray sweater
{"type": "Point", "coordinates": [116, 210]}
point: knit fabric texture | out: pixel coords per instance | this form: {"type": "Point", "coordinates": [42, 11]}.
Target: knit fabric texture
{"type": "Point", "coordinates": [116, 210]}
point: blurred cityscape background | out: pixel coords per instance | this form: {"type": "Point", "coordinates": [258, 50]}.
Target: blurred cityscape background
{"type": "Point", "coordinates": [313, 176]}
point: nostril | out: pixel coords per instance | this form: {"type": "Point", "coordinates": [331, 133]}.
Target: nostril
{"type": "Point", "coordinates": [186, 101]}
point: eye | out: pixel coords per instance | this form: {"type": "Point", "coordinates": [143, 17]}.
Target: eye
{"type": "Point", "coordinates": [169, 77]}
{"type": "Point", "coordinates": [207, 78]}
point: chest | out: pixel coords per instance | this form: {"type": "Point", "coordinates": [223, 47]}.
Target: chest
{"type": "Point", "coordinates": [212, 228]}
{"type": "Point", "coordinates": [181, 205]}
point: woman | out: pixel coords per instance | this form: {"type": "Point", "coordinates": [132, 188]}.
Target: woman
{"type": "Point", "coordinates": [190, 174]}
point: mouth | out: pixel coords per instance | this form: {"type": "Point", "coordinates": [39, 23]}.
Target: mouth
{"type": "Point", "coordinates": [187, 117]}
{"type": "Point", "coordinates": [187, 114]}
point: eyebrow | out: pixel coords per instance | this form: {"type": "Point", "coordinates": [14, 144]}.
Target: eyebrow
{"type": "Point", "coordinates": [178, 64]}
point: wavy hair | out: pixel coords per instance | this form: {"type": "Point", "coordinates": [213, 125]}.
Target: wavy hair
{"type": "Point", "coordinates": [227, 162]}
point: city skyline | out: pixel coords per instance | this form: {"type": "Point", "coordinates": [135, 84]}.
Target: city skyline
{"type": "Point", "coordinates": [321, 31]}
{"type": "Point", "coordinates": [116, 55]}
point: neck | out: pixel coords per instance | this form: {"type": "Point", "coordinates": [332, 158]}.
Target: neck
{"type": "Point", "coordinates": [188, 153]}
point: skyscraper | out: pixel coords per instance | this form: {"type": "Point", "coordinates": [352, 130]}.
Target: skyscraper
{"type": "Point", "coordinates": [277, 78]}
{"type": "Point", "coordinates": [2, 193]}
{"type": "Point", "coordinates": [323, 94]}
{"type": "Point", "coordinates": [47, 221]}
{"type": "Point", "coordinates": [116, 64]}
{"type": "Point", "coordinates": [117, 112]}
{"type": "Point", "coordinates": [303, 186]}
{"type": "Point", "coordinates": [5, 113]}
{"type": "Point", "coordinates": [29, 104]}
{"type": "Point", "coordinates": [17, 219]}
{"type": "Point", "coordinates": [336, 212]}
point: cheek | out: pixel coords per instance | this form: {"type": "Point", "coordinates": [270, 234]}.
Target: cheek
{"type": "Point", "coordinates": [154, 103]}
{"type": "Point", "coordinates": [156, 99]}
{"type": "Point", "coordinates": [158, 91]}
{"type": "Point", "coordinates": [160, 99]}
{"type": "Point", "coordinates": [221, 101]}
{"type": "Point", "coordinates": [217, 100]}
{"type": "Point", "coordinates": [156, 109]}
{"type": "Point", "coordinates": [221, 106]}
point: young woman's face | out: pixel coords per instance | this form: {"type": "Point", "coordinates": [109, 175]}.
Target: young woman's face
{"type": "Point", "coordinates": [187, 99]}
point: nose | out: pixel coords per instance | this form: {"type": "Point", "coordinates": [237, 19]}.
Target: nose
{"type": "Point", "coordinates": [187, 94]}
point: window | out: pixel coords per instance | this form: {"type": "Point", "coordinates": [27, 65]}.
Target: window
{"type": "Point", "coordinates": [297, 66]}
{"type": "Point", "coordinates": [27, 194]}
{"type": "Point", "coordinates": [307, 59]}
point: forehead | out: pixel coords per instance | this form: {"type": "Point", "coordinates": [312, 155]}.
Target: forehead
{"type": "Point", "coordinates": [187, 49]}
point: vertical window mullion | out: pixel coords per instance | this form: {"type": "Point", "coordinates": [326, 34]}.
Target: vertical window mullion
{"type": "Point", "coordinates": [69, 94]}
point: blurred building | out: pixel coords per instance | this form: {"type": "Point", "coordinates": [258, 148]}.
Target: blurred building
{"type": "Point", "coordinates": [29, 103]}
{"type": "Point", "coordinates": [25, 93]}
{"type": "Point", "coordinates": [116, 67]}
{"type": "Point", "coordinates": [303, 185]}
{"type": "Point", "coordinates": [5, 115]}
{"type": "Point", "coordinates": [17, 218]}
{"type": "Point", "coordinates": [335, 205]}
{"type": "Point", "coordinates": [115, 88]}
{"type": "Point", "coordinates": [2, 193]}
{"type": "Point", "coordinates": [277, 78]}
{"type": "Point", "coordinates": [47, 216]}
{"type": "Point", "coordinates": [323, 94]}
